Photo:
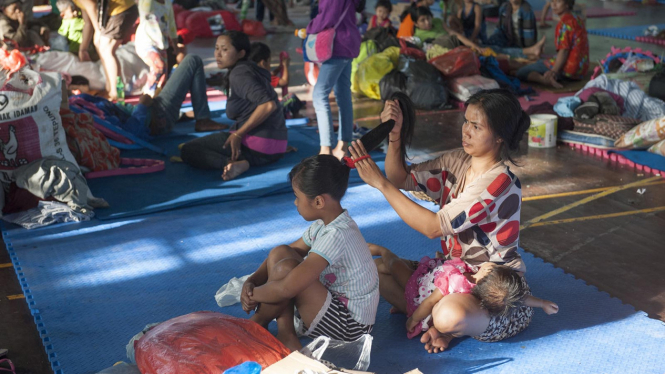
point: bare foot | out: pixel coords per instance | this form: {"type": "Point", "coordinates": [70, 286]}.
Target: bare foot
{"type": "Point", "coordinates": [291, 341]}
{"type": "Point", "coordinates": [206, 125]}
{"type": "Point", "coordinates": [435, 341]}
{"type": "Point", "coordinates": [233, 169]}
{"type": "Point", "coordinates": [536, 50]}
{"type": "Point", "coordinates": [553, 82]}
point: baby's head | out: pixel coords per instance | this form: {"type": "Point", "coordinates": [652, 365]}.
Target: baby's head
{"type": "Point", "coordinates": [499, 288]}
{"type": "Point", "coordinates": [560, 7]}
{"type": "Point", "coordinates": [423, 17]}
{"type": "Point", "coordinates": [319, 182]}
{"type": "Point", "coordinates": [67, 9]}
{"type": "Point", "coordinates": [383, 9]}
{"type": "Point", "coordinates": [79, 85]}
{"type": "Point", "coordinates": [260, 53]}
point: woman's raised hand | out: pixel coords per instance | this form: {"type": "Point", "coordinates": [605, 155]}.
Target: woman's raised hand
{"type": "Point", "coordinates": [367, 168]}
{"type": "Point", "coordinates": [391, 110]}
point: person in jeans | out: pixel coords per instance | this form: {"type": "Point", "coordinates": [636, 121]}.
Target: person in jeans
{"type": "Point", "coordinates": [259, 136]}
{"type": "Point", "coordinates": [336, 73]}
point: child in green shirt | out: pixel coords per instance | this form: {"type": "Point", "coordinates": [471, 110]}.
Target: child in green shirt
{"type": "Point", "coordinates": [427, 27]}
{"type": "Point", "coordinates": [72, 24]}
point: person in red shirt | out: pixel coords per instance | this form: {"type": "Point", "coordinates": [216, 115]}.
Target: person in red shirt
{"type": "Point", "coordinates": [572, 45]}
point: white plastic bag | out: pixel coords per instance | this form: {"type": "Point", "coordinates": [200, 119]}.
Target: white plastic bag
{"type": "Point", "coordinates": [65, 62]}
{"type": "Point", "coordinates": [30, 124]}
{"type": "Point", "coordinates": [347, 355]}
{"type": "Point", "coordinates": [229, 294]}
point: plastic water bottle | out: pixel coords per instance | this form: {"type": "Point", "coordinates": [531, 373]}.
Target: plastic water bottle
{"type": "Point", "coordinates": [244, 8]}
{"type": "Point", "coordinates": [120, 90]}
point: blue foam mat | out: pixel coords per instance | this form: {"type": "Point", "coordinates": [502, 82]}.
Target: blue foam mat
{"type": "Point", "coordinates": [91, 286]}
{"type": "Point", "coordinates": [181, 185]}
{"type": "Point", "coordinates": [626, 32]}
{"type": "Point", "coordinates": [642, 157]}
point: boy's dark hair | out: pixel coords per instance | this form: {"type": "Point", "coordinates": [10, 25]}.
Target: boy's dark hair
{"type": "Point", "coordinates": [505, 118]}
{"type": "Point", "coordinates": [419, 12]}
{"type": "Point", "coordinates": [500, 291]}
{"type": "Point", "coordinates": [79, 80]}
{"type": "Point", "coordinates": [570, 4]}
{"type": "Point", "coordinates": [259, 52]}
{"type": "Point", "coordinates": [321, 174]}
{"type": "Point", "coordinates": [386, 4]}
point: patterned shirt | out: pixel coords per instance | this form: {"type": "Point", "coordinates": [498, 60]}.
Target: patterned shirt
{"type": "Point", "coordinates": [157, 25]}
{"type": "Point", "coordinates": [570, 34]}
{"type": "Point", "coordinates": [481, 223]}
{"type": "Point", "coordinates": [351, 275]}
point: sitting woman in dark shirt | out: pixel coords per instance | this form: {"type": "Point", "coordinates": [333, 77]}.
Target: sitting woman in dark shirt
{"type": "Point", "coordinates": [259, 136]}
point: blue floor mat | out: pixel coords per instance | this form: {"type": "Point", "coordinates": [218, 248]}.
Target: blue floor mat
{"type": "Point", "coordinates": [626, 32]}
{"type": "Point", "coordinates": [181, 185]}
{"type": "Point", "coordinates": [644, 158]}
{"type": "Point", "coordinates": [91, 286]}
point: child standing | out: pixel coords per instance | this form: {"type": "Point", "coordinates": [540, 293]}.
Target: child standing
{"type": "Point", "coordinates": [328, 274]}
{"type": "Point", "coordinates": [473, 21]}
{"type": "Point", "coordinates": [156, 32]}
{"type": "Point", "coordinates": [572, 45]}
{"type": "Point", "coordinates": [382, 17]}
{"type": "Point", "coordinates": [72, 24]}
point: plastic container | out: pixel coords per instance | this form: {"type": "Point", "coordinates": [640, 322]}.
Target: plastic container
{"type": "Point", "coordinates": [542, 132]}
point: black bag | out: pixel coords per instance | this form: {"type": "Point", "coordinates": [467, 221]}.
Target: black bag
{"type": "Point", "coordinates": [384, 37]}
{"type": "Point", "coordinates": [395, 81]}
{"type": "Point", "coordinates": [424, 83]}
{"type": "Point", "coordinates": [657, 86]}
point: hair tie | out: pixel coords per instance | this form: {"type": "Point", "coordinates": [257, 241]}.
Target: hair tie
{"type": "Point", "coordinates": [348, 161]}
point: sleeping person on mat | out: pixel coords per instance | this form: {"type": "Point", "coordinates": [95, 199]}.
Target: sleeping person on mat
{"type": "Point", "coordinates": [259, 136]}
{"type": "Point", "coordinates": [480, 201]}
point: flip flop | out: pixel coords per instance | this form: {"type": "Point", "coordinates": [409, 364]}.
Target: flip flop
{"type": "Point", "coordinates": [11, 369]}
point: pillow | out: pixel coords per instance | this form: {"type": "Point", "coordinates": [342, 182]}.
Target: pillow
{"type": "Point", "coordinates": [643, 135]}
{"type": "Point", "coordinates": [658, 148]}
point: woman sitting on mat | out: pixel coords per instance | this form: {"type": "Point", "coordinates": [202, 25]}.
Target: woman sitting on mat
{"type": "Point", "coordinates": [259, 136]}
{"type": "Point", "coordinates": [480, 202]}
{"type": "Point", "coordinates": [328, 274]}
{"type": "Point", "coordinates": [498, 288]}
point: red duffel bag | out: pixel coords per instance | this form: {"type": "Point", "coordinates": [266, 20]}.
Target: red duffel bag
{"type": "Point", "coordinates": [205, 343]}
{"type": "Point", "coordinates": [197, 22]}
{"type": "Point", "coordinates": [181, 19]}
{"type": "Point", "coordinates": [253, 28]}
{"type": "Point", "coordinates": [460, 62]}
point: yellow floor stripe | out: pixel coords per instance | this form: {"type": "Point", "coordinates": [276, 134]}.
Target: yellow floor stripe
{"type": "Point", "coordinates": [600, 216]}
{"type": "Point", "coordinates": [582, 192]}
{"type": "Point", "coordinates": [16, 297]}
{"type": "Point", "coordinates": [7, 265]}
{"type": "Point", "coordinates": [586, 200]}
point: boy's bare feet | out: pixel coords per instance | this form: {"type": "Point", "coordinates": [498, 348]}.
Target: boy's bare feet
{"type": "Point", "coordinates": [435, 341]}
{"type": "Point", "coordinates": [207, 125]}
{"type": "Point", "coordinates": [234, 169]}
{"type": "Point", "coordinates": [291, 341]}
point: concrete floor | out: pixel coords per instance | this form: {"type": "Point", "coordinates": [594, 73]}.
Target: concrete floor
{"type": "Point", "coordinates": [619, 255]}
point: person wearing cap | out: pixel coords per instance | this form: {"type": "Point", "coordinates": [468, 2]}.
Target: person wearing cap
{"type": "Point", "coordinates": [15, 25]}
{"type": "Point", "coordinates": [110, 27]}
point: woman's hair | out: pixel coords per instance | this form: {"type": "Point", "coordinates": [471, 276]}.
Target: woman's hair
{"type": "Point", "coordinates": [505, 117]}
{"type": "Point", "coordinates": [79, 80]}
{"type": "Point", "coordinates": [570, 4]}
{"type": "Point", "coordinates": [386, 4]}
{"type": "Point", "coordinates": [361, 6]}
{"type": "Point", "coordinates": [259, 52]}
{"type": "Point", "coordinates": [500, 291]}
{"type": "Point", "coordinates": [239, 41]}
{"type": "Point", "coordinates": [63, 5]}
{"type": "Point", "coordinates": [321, 174]}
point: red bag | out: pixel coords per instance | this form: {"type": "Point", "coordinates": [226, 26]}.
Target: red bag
{"type": "Point", "coordinates": [410, 51]}
{"type": "Point", "coordinates": [181, 19]}
{"type": "Point", "coordinates": [253, 28]}
{"type": "Point", "coordinates": [88, 145]}
{"type": "Point", "coordinates": [460, 62]}
{"type": "Point", "coordinates": [206, 343]}
{"type": "Point", "coordinates": [197, 22]}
